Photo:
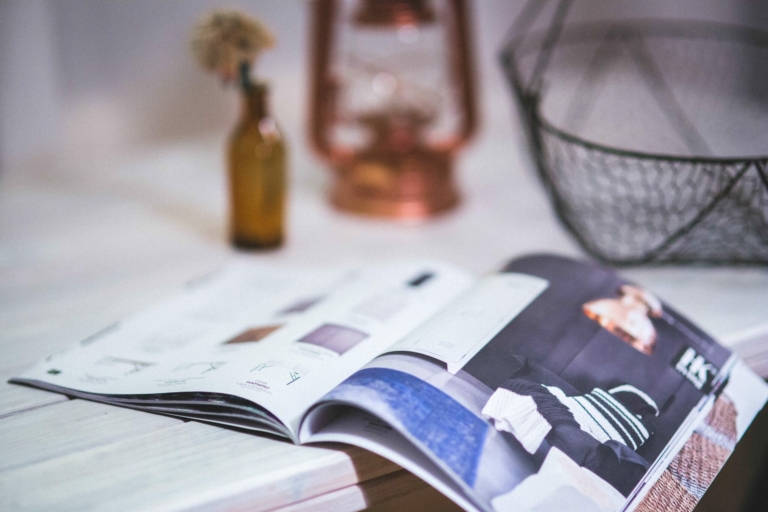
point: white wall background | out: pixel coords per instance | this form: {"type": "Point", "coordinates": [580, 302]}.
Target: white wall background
{"type": "Point", "coordinates": [101, 76]}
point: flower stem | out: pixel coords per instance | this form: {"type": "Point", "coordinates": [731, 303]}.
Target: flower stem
{"type": "Point", "coordinates": [245, 76]}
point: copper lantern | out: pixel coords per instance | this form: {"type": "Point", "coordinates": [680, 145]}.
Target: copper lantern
{"type": "Point", "coordinates": [392, 101]}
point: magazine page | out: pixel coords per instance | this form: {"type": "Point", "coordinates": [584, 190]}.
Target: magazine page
{"type": "Point", "coordinates": [583, 392]}
{"type": "Point", "coordinates": [276, 338]}
{"type": "Point", "coordinates": [355, 427]}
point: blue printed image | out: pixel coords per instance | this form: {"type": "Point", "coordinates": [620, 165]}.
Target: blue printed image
{"type": "Point", "coordinates": [448, 429]}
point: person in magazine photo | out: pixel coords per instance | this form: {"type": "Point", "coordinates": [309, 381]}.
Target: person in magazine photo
{"type": "Point", "coordinates": [608, 383]}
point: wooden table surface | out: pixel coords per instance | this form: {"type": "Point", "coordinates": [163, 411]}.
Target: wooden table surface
{"type": "Point", "coordinates": [84, 242]}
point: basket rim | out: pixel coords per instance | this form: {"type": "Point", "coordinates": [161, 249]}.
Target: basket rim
{"type": "Point", "coordinates": [658, 27]}
{"type": "Point", "coordinates": [640, 155]}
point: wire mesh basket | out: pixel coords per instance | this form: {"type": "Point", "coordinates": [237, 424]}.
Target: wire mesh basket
{"type": "Point", "coordinates": [651, 137]}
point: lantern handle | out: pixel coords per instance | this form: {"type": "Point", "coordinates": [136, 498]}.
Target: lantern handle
{"type": "Point", "coordinates": [464, 74]}
{"type": "Point", "coordinates": [323, 93]}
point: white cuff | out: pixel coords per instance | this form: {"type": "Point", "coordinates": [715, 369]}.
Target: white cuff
{"type": "Point", "coordinates": [518, 415]}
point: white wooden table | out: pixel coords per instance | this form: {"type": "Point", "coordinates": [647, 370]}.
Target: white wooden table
{"type": "Point", "coordinates": [86, 241]}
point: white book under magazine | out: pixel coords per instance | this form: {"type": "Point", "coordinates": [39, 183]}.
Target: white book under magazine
{"type": "Point", "coordinates": [550, 384]}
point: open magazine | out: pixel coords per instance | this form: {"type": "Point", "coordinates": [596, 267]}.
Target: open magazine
{"type": "Point", "coordinates": [551, 384]}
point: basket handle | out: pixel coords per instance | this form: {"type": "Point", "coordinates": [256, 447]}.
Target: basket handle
{"type": "Point", "coordinates": [519, 30]}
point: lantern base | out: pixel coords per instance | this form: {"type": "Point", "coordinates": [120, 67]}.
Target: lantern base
{"type": "Point", "coordinates": [412, 186]}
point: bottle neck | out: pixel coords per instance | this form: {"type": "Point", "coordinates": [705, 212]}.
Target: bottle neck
{"type": "Point", "coordinates": [254, 102]}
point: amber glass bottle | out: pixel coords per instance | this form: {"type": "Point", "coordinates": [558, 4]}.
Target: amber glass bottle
{"type": "Point", "coordinates": [257, 175]}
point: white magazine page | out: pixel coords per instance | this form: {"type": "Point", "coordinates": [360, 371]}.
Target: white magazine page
{"type": "Point", "coordinates": [278, 337]}
{"type": "Point", "coordinates": [183, 343]}
{"type": "Point", "coordinates": [379, 306]}
{"type": "Point", "coordinates": [461, 330]}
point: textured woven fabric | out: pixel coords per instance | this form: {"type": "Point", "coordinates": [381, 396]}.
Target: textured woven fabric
{"type": "Point", "coordinates": [667, 494]}
{"type": "Point", "coordinates": [694, 468]}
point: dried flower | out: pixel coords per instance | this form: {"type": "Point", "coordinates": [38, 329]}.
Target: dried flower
{"type": "Point", "coordinates": [226, 42]}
